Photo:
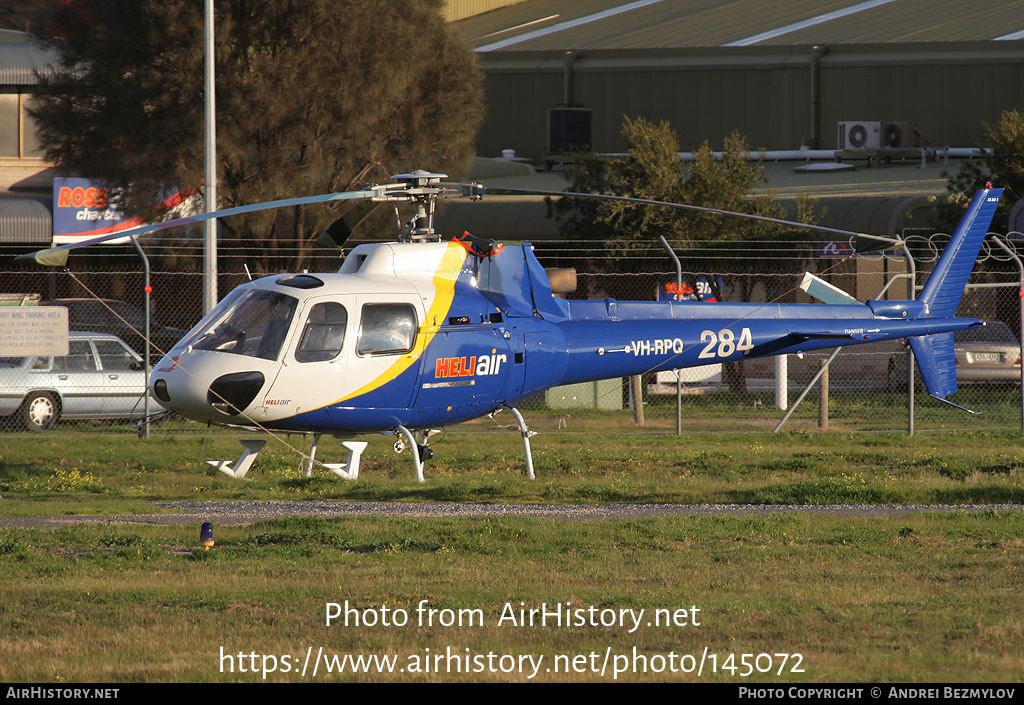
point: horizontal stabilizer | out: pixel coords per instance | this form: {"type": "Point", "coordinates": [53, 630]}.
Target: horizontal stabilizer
{"type": "Point", "coordinates": [828, 330]}
{"type": "Point", "coordinates": [822, 335]}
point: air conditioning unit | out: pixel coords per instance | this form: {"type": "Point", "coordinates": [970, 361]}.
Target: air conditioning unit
{"type": "Point", "coordinates": [898, 134]}
{"type": "Point", "coordinates": [860, 134]}
{"type": "Point", "coordinates": [569, 128]}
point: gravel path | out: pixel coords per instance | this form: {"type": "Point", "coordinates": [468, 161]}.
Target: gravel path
{"type": "Point", "coordinates": [248, 512]}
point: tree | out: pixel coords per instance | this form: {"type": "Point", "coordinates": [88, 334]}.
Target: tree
{"type": "Point", "coordinates": [313, 96]}
{"type": "Point", "coordinates": [1003, 166]}
{"type": "Point", "coordinates": [652, 170]}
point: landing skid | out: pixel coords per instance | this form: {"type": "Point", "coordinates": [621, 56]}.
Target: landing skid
{"type": "Point", "coordinates": [423, 453]}
{"type": "Point", "coordinates": [349, 470]}
{"type": "Point", "coordinates": [526, 440]}
{"type": "Point", "coordinates": [252, 446]}
{"type": "Point", "coordinates": [406, 439]}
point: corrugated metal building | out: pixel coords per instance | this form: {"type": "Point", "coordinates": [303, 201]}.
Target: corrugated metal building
{"type": "Point", "coordinates": [783, 74]}
{"type": "Point", "coordinates": [25, 177]}
{"type": "Point", "coordinates": [459, 9]}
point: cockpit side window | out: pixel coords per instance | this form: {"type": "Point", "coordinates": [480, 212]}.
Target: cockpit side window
{"type": "Point", "coordinates": [386, 329]}
{"type": "Point", "coordinates": [324, 334]}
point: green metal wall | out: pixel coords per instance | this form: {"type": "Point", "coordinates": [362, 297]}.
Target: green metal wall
{"type": "Point", "coordinates": [763, 92]}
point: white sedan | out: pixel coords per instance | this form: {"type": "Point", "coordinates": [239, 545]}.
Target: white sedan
{"type": "Point", "coordinates": [100, 378]}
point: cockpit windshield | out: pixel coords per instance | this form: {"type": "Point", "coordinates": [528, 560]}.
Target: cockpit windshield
{"type": "Point", "coordinates": [254, 324]}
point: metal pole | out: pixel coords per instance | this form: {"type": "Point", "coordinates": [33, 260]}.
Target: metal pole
{"type": "Point", "coordinates": [782, 382]}
{"type": "Point", "coordinates": [679, 377]}
{"type": "Point", "coordinates": [570, 59]}
{"type": "Point", "coordinates": [817, 52]}
{"type": "Point", "coordinates": [210, 168]}
{"type": "Point", "coordinates": [145, 360]}
{"type": "Point", "coordinates": [679, 403]}
{"type": "Point", "coordinates": [817, 375]}
{"type": "Point", "coordinates": [636, 391]}
{"type": "Point", "coordinates": [911, 295]}
{"type": "Point", "coordinates": [823, 397]}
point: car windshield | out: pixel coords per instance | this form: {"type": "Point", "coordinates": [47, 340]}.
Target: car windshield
{"type": "Point", "coordinates": [107, 312]}
{"type": "Point", "coordinates": [135, 317]}
{"type": "Point", "coordinates": [254, 324]}
{"type": "Point", "coordinates": [11, 361]}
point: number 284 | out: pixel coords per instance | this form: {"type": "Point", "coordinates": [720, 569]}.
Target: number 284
{"type": "Point", "coordinates": [724, 343]}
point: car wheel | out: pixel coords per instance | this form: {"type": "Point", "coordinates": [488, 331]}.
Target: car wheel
{"type": "Point", "coordinates": [40, 411]}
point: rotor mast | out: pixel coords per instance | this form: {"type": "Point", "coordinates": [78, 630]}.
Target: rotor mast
{"type": "Point", "coordinates": [422, 189]}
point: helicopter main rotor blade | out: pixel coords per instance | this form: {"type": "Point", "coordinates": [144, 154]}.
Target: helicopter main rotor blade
{"type": "Point", "coordinates": [684, 206]}
{"type": "Point", "coordinates": [58, 256]}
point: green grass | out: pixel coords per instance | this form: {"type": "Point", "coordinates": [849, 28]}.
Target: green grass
{"type": "Point", "coordinates": [927, 597]}
{"type": "Point", "coordinates": [849, 411]}
{"type": "Point", "coordinates": [924, 597]}
{"type": "Point", "coordinates": [90, 472]}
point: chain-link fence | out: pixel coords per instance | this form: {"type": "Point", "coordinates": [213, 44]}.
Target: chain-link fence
{"type": "Point", "coordinates": [866, 384]}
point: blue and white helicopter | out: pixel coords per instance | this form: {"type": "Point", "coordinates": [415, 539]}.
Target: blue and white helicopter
{"type": "Point", "coordinates": [415, 335]}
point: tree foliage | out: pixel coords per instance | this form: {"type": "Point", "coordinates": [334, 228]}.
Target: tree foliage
{"type": "Point", "coordinates": [313, 96]}
{"type": "Point", "coordinates": [1004, 166]}
{"type": "Point", "coordinates": [652, 170]}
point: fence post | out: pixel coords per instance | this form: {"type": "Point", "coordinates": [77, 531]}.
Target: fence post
{"type": "Point", "coordinates": [638, 399]}
{"type": "Point", "coordinates": [823, 400]}
{"type": "Point", "coordinates": [782, 382]}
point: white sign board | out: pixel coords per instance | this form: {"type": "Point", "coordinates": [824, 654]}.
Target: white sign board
{"type": "Point", "coordinates": [33, 330]}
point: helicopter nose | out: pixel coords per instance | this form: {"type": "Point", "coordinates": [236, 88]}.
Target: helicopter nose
{"type": "Point", "coordinates": [191, 393]}
{"type": "Point", "coordinates": [232, 394]}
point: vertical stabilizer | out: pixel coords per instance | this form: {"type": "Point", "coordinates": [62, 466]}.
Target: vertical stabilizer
{"type": "Point", "coordinates": [937, 362]}
{"type": "Point", "coordinates": [945, 286]}
{"type": "Point", "coordinates": [942, 292]}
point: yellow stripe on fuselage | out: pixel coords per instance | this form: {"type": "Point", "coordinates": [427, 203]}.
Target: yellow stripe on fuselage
{"type": "Point", "coordinates": [444, 293]}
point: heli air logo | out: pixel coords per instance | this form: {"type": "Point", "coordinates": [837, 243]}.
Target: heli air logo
{"type": "Point", "coordinates": [474, 365]}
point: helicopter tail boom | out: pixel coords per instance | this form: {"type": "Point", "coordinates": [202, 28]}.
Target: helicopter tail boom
{"type": "Point", "coordinates": [663, 334]}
